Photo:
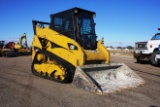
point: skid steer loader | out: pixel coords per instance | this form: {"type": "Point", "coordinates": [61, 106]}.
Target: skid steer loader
{"type": "Point", "coordinates": [66, 50]}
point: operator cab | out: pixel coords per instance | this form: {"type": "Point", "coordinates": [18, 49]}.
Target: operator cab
{"type": "Point", "coordinates": [77, 24]}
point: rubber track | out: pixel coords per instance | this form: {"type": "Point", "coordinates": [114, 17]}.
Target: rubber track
{"type": "Point", "coordinates": [69, 69]}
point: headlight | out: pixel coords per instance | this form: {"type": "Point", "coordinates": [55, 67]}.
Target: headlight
{"type": "Point", "coordinates": [72, 47]}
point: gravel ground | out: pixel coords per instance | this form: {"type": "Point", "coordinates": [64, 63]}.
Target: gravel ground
{"type": "Point", "coordinates": [20, 88]}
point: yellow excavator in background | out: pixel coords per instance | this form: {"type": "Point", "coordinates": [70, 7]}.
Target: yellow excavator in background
{"type": "Point", "coordinates": [67, 50]}
{"type": "Point", "coordinates": [19, 46]}
{"type": "Point", "coordinates": [16, 48]}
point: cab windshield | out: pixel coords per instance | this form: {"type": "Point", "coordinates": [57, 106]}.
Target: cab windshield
{"type": "Point", "coordinates": [86, 30]}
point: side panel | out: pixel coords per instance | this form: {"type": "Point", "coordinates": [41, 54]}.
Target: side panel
{"type": "Point", "coordinates": [65, 55]}
{"type": "Point", "coordinates": [101, 53]}
{"type": "Point", "coordinates": [62, 42]}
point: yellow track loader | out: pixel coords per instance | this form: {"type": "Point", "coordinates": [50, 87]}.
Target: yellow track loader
{"type": "Point", "coordinates": [67, 50]}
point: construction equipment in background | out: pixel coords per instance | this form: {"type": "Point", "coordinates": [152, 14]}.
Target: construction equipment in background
{"type": "Point", "coordinates": [5, 51]}
{"type": "Point", "coordinates": [67, 50]}
{"type": "Point", "coordinates": [2, 44]}
{"type": "Point", "coordinates": [16, 48]}
{"type": "Point", "coordinates": [19, 47]}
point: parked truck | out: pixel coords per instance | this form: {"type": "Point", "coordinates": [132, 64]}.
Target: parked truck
{"type": "Point", "coordinates": [147, 51]}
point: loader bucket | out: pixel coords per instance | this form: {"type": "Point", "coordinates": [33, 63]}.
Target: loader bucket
{"type": "Point", "coordinates": [104, 79]}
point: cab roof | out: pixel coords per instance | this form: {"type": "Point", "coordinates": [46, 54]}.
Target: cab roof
{"type": "Point", "coordinates": [73, 10]}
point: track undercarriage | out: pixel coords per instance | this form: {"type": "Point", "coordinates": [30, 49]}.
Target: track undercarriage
{"type": "Point", "coordinates": [52, 67]}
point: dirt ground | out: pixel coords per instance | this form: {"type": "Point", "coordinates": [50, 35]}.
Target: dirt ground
{"type": "Point", "coordinates": [20, 88]}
